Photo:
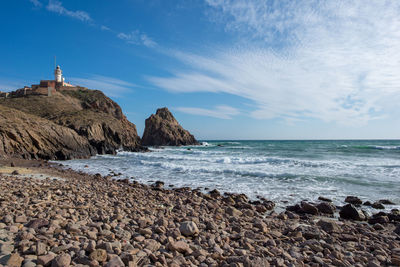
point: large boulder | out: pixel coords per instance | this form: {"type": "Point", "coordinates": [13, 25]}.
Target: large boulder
{"type": "Point", "coordinates": [352, 213]}
{"type": "Point", "coordinates": [162, 129]}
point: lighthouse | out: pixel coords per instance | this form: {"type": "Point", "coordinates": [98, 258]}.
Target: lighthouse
{"type": "Point", "coordinates": [58, 74]}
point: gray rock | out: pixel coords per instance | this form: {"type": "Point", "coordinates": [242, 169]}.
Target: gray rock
{"type": "Point", "coordinates": [189, 228]}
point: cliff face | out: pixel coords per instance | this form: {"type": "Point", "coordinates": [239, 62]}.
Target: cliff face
{"type": "Point", "coordinates": [162, 129]}
{"type": "Point", "coordinates": [88, 113]}
{"type": "Point", "coordinates": [28, 136]}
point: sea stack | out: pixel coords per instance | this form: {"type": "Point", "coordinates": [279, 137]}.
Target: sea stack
{"type": "Point", "coordinates": [162, 129]}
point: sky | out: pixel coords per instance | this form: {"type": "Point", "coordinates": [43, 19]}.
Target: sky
{"type": "Point", "coordinates": [227, 69]}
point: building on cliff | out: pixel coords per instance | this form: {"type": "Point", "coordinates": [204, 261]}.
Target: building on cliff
{"type": "Point", "coordinates": [45, 87]}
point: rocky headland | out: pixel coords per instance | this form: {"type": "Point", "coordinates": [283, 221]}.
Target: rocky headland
{"type": "Point", "coordinates": [63, 218]}
{"type": "Point", "coordinates": [66, 125]}
{"type": "Point", "coordinates": [162, 129]}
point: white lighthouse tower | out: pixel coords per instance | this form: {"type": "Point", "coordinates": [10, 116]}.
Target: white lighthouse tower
{"type": "Point", "coordinates": [58, 74]}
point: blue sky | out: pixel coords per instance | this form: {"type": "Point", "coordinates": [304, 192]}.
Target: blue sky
{"type": "Point", "coordinates": [244, 69]}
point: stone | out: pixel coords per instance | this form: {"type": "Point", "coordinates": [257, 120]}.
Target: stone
{"type": "Point", "coordinates": [115, 262]}
{"type": "Point", "coordinates": [7, 219]}
{"type": "Point", "coordinates": [151, 245]}
{"type": "Point", "coordinates": [326, 207]}
{"type": "Point", "coordinates": [378, 219]}
{"type": "Point", "coordinates": [45, 260]}
{"type": "Point", "coordinates": [353, 200]}
{"type": "Point", "coordinates": [329, 226]}
{"type": "Point", "coordinates": [62, 260]}
{"type": "Point", "coordinates": [233, 212]}
{"type": "Point", "coordinates": [189, 228]}
{"type": "Point", "coordinates": [40, 248]}
{"type": "Point", "coordinates": [162, 129]}
{"type": "Point", "coordinates": [397, 230]}
{"type": "Point", "coordinates": [386, 202]}
{"type": "Point", "coordinates": [29, 264]}
{"type": "Point", "coordinates": [13, 260]}
{"type": "Point", "coordinates": [21, 219]}
{"type": "Point", "coordinates": [99, 255]}
{"type": "Point", "coordinates": [38, 223]}
{"type": "Point", "coordinates": [179, 246]}
{"type": "Point", "coordinates": [377, 205]}
{"type": "Point", "coordinates": [309, 208]}
{"type": "Point", "coordinates": [350, 212]}
{"type": "Point", "coordinates": [324, 199]}
{"type": "Point", "coordinates": [6, 248]}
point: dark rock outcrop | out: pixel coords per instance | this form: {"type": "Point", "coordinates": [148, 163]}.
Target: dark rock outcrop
{"type": "Point", "coordinates": [353, 200]}
{"type": "Point", "coordinates": [162, 129]}
{"type": "Point", "coordinates": [28, 136]}
{"type": "Point", "coordinates": [350, 212]}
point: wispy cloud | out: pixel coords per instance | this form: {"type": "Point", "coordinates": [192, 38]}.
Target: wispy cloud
{"type": "Point", "coordinates": [137, 38]}
{"type": "Point", "coordinates": [36, 3]}
{"type": "Point", "coordinates": [220, 112]}
{"type": "Point", "coordinates": [105, 28]}
{"type": "Point", "coordinates": [7, 84]}
{"type": "Point", "coordinates": [110, 86]}
{"type": "Point", "coordinates": [330, 60]}
{"type": "Point", "coordinates": [57, 7]}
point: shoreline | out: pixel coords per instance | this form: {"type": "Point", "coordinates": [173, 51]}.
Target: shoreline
{"type": "Point", "coordinates": [94, 221]}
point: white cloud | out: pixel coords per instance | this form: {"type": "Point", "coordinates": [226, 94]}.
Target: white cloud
{"type": "Point", "coordinates": [7, 85]}
{"type": "Point", "coordinates": [36, 3]}
{"type": "Point", "coordinates": [57, 7]}
{"type": "Point", "coordinates": [105, 28]}
{"type": "Point", "coordinates": [220, 112]}
{"type": "Point", "coordinates": [137, 38]}
{"type": "Point", "coordinates": [330, 60]}
{"type": "Point", "coordinates": [110, 86]}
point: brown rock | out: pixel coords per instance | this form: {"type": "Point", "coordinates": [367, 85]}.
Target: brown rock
{"type": "Point", "coordinates": [179, 246]}
{"type": "Point", "coordinates": [329, 226]}
{"type": "Point", "coordinates": [28, 136]}
{"type": "Point", "coordinates": [15, 260]}
{"type": "Point", "coordinates": [233, 212]}
{"type": "Point", "coordinates": [309, 208]}
{"type": "Point", "coordinates": [62, 260]}
{"type": "Point", "coordinates": [326, 207]}
{"type": "Point", "coordinates": [38, 223]}
{"type": "Point", "coordinates": [353, 200]}
{"type": "Point", "coordinates": [162, 129]}
{"type": "Point", "coordinates": [99, 255]}
{"type": "Point", "coordinates": [45, 260]}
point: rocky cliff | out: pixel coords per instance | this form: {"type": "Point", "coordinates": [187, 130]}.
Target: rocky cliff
{"type": "Point", "coordinates": [28, 136]}
{"type": "Point", "coordinates": [89, 114]}
{"type": "Point", "coordinates": [162, 129]}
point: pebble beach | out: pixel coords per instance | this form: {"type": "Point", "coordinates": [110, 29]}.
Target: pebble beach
{"type": "Point", "coordinates": [61, 218]}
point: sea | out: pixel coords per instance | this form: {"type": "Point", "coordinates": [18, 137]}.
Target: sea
{"type": "Point", "coordinates": [285, 172]}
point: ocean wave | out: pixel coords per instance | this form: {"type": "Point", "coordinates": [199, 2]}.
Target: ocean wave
{"type": "Point", "coordinates": [369, 147]}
